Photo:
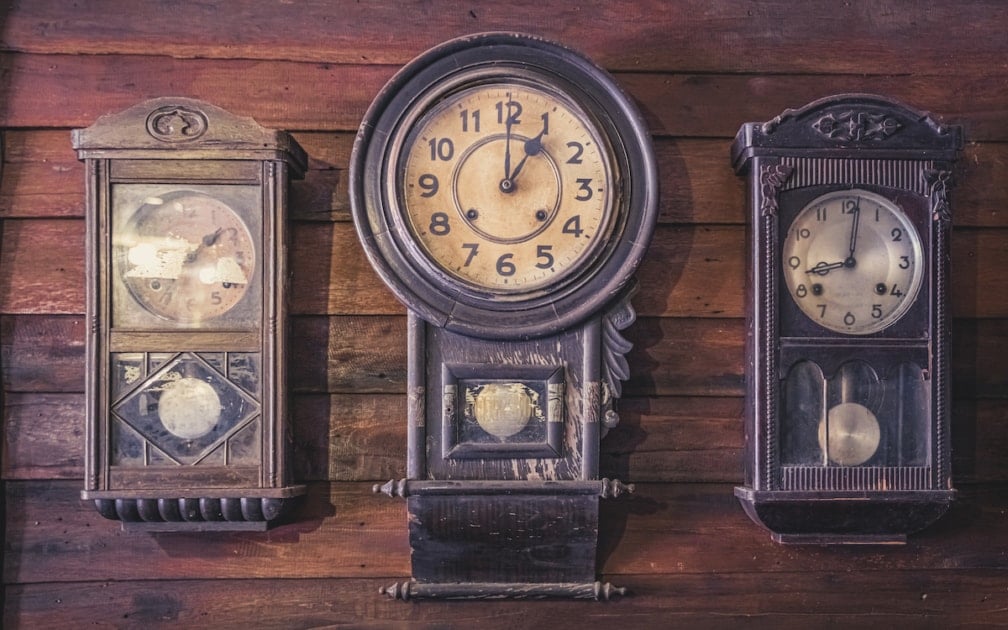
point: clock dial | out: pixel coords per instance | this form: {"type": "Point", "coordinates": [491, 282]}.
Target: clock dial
{"type": "Point", "coordinates": [186, 256]}
{"type": "Point", "coordinates": [852, 262]}
{"type": "Point", "coordinates": [506, 186]}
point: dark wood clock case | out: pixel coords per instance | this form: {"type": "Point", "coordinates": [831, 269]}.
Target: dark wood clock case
{"type": "Point", "coordinates": [871, 143]}
{"type": "Point", "coordinates": [519, 517]}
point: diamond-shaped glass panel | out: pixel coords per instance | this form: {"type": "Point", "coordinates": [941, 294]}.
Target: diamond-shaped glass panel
{"type": "Point", "coordinates": [186, 408]}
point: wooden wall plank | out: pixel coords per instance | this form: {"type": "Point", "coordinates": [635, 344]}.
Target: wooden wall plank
{"type": "Point", "coordinates": [693, 35]}
{"type": "Point", "coordinates": [362, 437]}
{"type": "Point", "coordinates": [690, 271]}
{"type": "Point", "coordinates": [42, 178]}
{"type": "Point", "coordinates": [342, 530]}
{"type": "Point", "coordinates": [955, 598]}
{"type": "Point", "coordinates": [367, 354]}
{"type": "Point", "coordinates": [45, 91]}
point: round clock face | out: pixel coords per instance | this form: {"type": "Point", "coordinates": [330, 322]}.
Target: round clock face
{"type": "Point", "coordinates": [852, 262]}
{"type": "Point", "coordinates": [506, 186]}
{"type": "Point", "coordinates": [186, 256]}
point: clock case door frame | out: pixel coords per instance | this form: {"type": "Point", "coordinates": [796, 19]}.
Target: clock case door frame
{"type": "Point", "coordinates": [203, 147]}
{"type": "Point", "coordinates": [848, 141]}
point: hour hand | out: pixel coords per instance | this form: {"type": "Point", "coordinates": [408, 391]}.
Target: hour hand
{"type": "Point", "coordinates": [823, 268]}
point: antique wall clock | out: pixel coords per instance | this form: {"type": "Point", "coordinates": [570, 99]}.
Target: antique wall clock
{"type": "Point", "coordinates": [186, 413]}
{"type": "Point", "coordinates": [505, 189]}
{"type": "Point", "coordinates": [847, 426]}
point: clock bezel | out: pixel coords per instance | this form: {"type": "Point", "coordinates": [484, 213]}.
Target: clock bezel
{"type": "Point", "coordinates": [456, 305]}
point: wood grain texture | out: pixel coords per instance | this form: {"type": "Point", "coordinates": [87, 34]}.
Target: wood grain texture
{"type": "Point", "coordinates": [682, 545]}
{"type": "Point", "coordinates": [921, 599]}
{"type": "Point", "coordinates": [690, 271]}
{"type": "Point", "coordinates": [366, 354]}
{"type": "Point", "coordinates": [42, 178]}
{"type": "Point", "coordinates": [735, 36]}
{"type": "Point", "coordinates": [342, 530]}
{"type": "Point", "coordinates": [40, 92]}
{"type": "Point", "coordinates": [362, 437]}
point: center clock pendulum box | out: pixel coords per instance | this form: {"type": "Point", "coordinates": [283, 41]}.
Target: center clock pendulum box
{"type": "Point", "coordinates": [186, 266]}
{"type": "Point", "coordinates": [847, 411]}
{"type": "Point", "coordinates": [505, 189]}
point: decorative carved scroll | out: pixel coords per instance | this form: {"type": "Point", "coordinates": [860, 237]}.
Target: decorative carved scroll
{"type": "Point", "coordinates": [176, 124]}
{"type": "Point", "coordinates": [856, 126]}
{"type": "Point", "coordinates": [939, 183]}
{"type": "Point", "coordinates": [772, 178]}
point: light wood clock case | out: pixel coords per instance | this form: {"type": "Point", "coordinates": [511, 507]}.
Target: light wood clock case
{"type": "Point", "coordinates": [847, 425]}
{"type": "Point", "coordinates": [186, 407]}
{"type": "Point", "coordinates": [504, 188]}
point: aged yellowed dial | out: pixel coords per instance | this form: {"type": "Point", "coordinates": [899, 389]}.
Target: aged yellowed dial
{"type": "Point", "coordinates": [186, 256]}
{"type": "Point", "coordinates": [507, 186]}
{"type": "Point", "coordinates": [852, 261]}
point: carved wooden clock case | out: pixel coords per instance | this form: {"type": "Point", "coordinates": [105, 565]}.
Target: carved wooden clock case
{"type": "Point", "coordinates": [505, 190]}
{"type": "Point", "coordinates": [847, 425]}
{"type": "Point", "coordinates": [186, 221]}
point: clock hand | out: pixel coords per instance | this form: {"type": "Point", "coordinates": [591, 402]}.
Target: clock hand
{"type": "Point", "coordinates": [854, 232]}
{"type": "Point", "coordinates": [507, 142]}
{"type": "Point", "coordinates": [824, 268]}
{"type": "Point", "coordinates": [532, 147]}
{"type": "Point", "coordinates": [208, 240]}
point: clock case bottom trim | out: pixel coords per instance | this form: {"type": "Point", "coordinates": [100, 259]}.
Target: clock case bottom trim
{"type": "Point", "coordinates": [207, 513]}
{"type": "Point", "coordinates": [412, 589]}
{"type": "Point", "coordinates": [852, 517]}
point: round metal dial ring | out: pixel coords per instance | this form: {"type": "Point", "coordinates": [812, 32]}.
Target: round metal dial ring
{"type": "Point", "coordinates": [852, 262]}
{"type": "Point", "coordinates": [186, 256]}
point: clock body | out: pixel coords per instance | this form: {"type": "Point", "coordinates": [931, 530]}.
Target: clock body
{"type": "Point", "coordinates": [185, 382]}
{"type": "Point", "coordinates": [847, 312]}
{"type": "Point", "coordinates": [505, 190]}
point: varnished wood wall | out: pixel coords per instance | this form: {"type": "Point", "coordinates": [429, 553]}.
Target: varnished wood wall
{"type": "Point", "coordinates": [682, 545]}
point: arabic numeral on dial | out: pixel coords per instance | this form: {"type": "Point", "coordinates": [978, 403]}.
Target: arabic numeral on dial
{"type": "Point", "coordinates": [876, 311]}
{"type": "Point", "coordinates": [822, 310]}
{"type": "Point", "coordinates": [466, 116]}
{"type": "Point", "coordinates": [511, 109]}
{"type": "Point", "coordinates": [473, 249]}
{"type": "Point", "coordinates": [573, 226]}
{"type": "Point", "coordinates": [442, 149]}
{"type": "Point", "coordinates": [904, 262]}
{"type": "Point", "coordinates": [439, 224]}
{"type": "Point", "coordinates": [896, 291]}
{"type": "Point", "coordinates": [820, 213]}
{"type": "Point", "coordinates": [578, 150]}
{"type": "Point", "coordinates": [544, 256]}
{"type": "Point", "coordinates": [802, 233]}
{"type": "Point", "coordinates": [794, 262]}
{"type": "Point", "coordinates": [897, 235]}
{"type": "Point", "coordinates": [429, 183]}
{"type": "Point", "coordinates": [504, 265]}
{"type": "Point", "coordinates": [849, 318]}
{"type": "Point", "coordinates": [545, 119]}
{"type": "Point", "coordinates": [801, 291]}
{"type": "Point", "coordinates": [584, 189]}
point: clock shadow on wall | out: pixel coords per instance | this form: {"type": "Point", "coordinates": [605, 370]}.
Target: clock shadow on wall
{"type": "Point", "coordinates": [658, 276]}
{"type": "Point", "coordinates": [308, 369]}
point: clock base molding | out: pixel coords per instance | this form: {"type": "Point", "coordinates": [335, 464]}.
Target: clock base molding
{"type": "Point", "coordinates": [412, 589]}
{"type": "Point", "coordinates": [844, 518]}
{"type": "Point", "coordinates": [503, 539]}
{"type": "Point", "coordinates": [193, 514]}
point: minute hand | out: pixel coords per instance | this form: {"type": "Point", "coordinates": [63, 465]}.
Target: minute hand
{"type": "Point", "coordinates": [854, 229]}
